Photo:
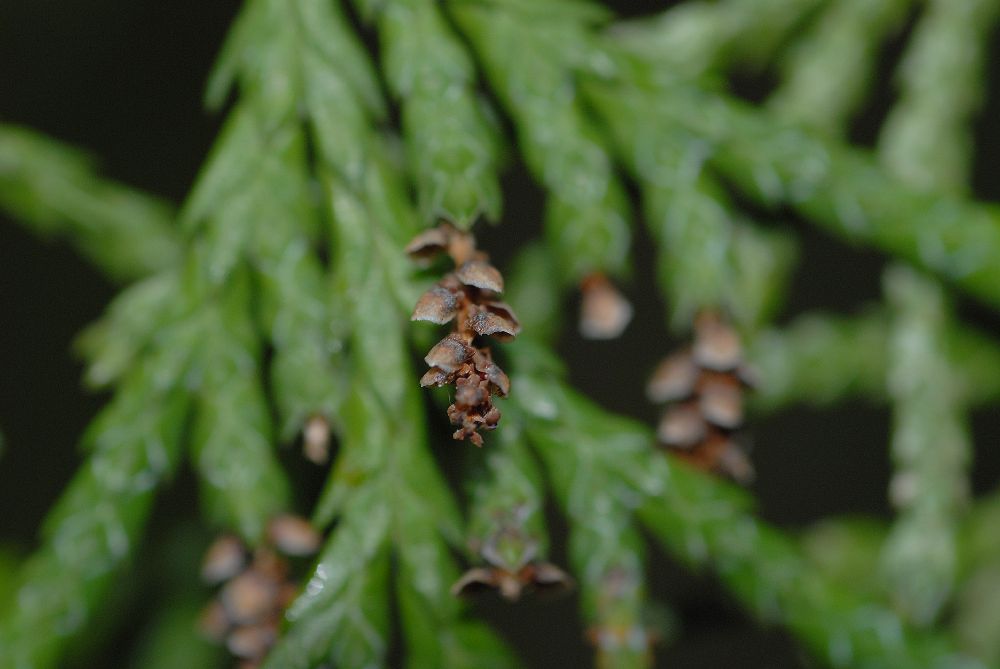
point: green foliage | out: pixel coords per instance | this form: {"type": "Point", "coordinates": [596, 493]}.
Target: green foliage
{"type": "Point", "coordinates": [53, 189]}
{"type": "Point", "coordinates": [529, 56]}
{"type": "Point", "coordinates": [97, 523]}
{"type": "Point", "coordinates": [709, 256]}
{"type": "Point", "coordinates": [450, 145]}
{"type": "Point", "coordinates": [931, 447]}
{"type": "Point", "coordinates": [831, 66]}
{"type": "Point", "coordinates": [695, 39]}
{"type": "Point", "coordinates": [283, 295]}
{"type": "Point", "coordinates": [822, 359]}
{"type": "Point", "coordinates": [927, 139]}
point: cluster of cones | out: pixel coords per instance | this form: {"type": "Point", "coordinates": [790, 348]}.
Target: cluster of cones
{"type": "Point", "coordinates": [704, 387]}
{"type": "Point", "coordinates": [513, 565]}
{"type": "Point", "coordinates": [255, 587]}
{"type": "Point", "coordinates": [468, 297]}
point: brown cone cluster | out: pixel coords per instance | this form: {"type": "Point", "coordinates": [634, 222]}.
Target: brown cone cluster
{"type": "Point", "coordinates": [704, 387]}
{"type": "Point", "coordinates": [467, 297]}
{"type": "Point", "coordinates": [255, 587]}
{"type": "Point", "coordinates": [513, 567]}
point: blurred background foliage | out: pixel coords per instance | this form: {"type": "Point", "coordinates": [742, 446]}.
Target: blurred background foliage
{"type": "Point", "coordinates": [820, 170]}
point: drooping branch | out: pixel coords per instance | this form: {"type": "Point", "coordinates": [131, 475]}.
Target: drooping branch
{"type": "Point", "coordinates": [54, 190]}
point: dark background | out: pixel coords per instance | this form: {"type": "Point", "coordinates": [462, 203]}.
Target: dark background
{"type": "Point", "coordinates": [124, 81]}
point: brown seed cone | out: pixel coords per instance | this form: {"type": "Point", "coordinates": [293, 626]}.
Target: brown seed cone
{"type": "Point", "coordinates": [316, 439]}
{"type": "Point", "coordinates": [512, 577]}
{"type": "Point", "coordinates": [255, 589]}
{"type": "Point", "coordinates": [704, 385]}
{"type": "Point", "coordinates": [213, 622]}
{"type": "Point", "coordinates": [466, 298]}
{"type": "Point", "coordinates": [293, 535]}
{"type": "Point", "coordinates": [604, 311]}
{"type": "Point", "coordinates": [224, 559]}
{"type": "Point", "coordinates": [251, 642]}
{"type": "Point", "coordinates": [249, 597]}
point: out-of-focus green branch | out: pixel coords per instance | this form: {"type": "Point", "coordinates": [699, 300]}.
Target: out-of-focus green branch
{"type": "Point", "coordinates": [838, 188]}
{"type": "Point", "coordinates": [702, 520]}
{"type": "Point", "coordinates": [927, 138]}
{"type": "Point", "coordinates": [99, 520]}
{"type": "Point", "coordinates": [54, 190]}
{"type": "Point", "coordinates": [510, 487]}
{"type": "Point", "coordinates": [706, 522]}
{"type": "Point", "coordinates": [821, 359]}
{"type": "Point", "coordinates": [232, 440]}
{"type": "Point", "coordinates": [708, 256]}
{"type": "Point", "coordinates": [930, 446]}
{"type": "Point", "coordinates": [605, 546]}
{"type": "Point", "coordinates": [529, 54]}
{"type": "Point", "coordinates": [827, 72]}
{"type": "Point", "coordinates": [695, 38]}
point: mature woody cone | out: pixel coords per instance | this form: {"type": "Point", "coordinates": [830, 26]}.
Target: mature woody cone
{"type": "Point", "coordinates": [468, 298]}
{"type": "Point", "coordinates": [704, 386]}
{"type": "Point", "coordinates": [255, 587]}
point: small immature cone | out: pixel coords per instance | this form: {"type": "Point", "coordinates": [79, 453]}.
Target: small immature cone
{"type": "Point", "coordinates": [214, 622]}
{"type": "Point", "coordinates": [704, 386]}
{"type": "Point", "coordinates": [316, 440]}
{"type": "Point", "coordinates": [468, 299]}
{"type": "Point", "coordinates": [604, 311]}
{"type": "Point", "coordinates": [682, 426]}
{"type": "Point", "coordinates": [225, 558]}
{"type": "Point", "coordinates": [253, 641]}
{"type": "Point", "coordinates": [249, 597]}
{"type": "Point", "coordinates": [512, 566]}
{"type": "Point", "coordinates": [674, 379]}
{"type": "Point", "coordinates": [293, 535]}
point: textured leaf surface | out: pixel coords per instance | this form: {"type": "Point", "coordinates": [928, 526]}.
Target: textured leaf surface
{"type": "Point", "coordinates": [529, 59]}
{"type": "Point", "coordinates": [232, 438]}
{"type": "Point", "coordinates": [451, 147]}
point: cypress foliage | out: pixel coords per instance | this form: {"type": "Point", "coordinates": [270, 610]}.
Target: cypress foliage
{"type": "Point", "coordinates": [275, 304]}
